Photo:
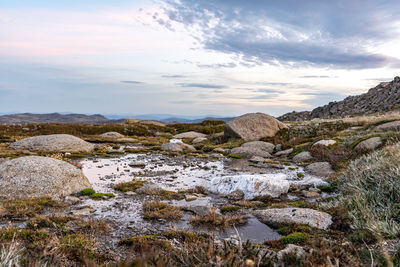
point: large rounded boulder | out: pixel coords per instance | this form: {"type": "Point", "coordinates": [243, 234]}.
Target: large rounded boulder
{"type": "Point", "coordinates": [35, 176]}
{"type": "Point", "coordinates": [253, 126]}
{"type": "Point", "coordinates": [54, 143]}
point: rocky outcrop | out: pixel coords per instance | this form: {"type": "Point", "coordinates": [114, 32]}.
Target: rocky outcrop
{"type": "Point", "coordinates": [189, 135]}
{"type": "Point", "coordinates": [199, 140]}
{"type": "Point", "coordinates": [251, 185]}
{"type": "Point", "coordinates": [112, 135]}
{"type": "Point", "coordinates": [389, 126]}
{"type": "Point", "coordinates": [253, 126]}
{"type": "Point", "coordinates": [323, 169]}
{"type": "Point", "coordinates": [40, 177]}
{"type": "Point", "coordinates": [383, 98]}
{"type": "Point", "coordinates": [264, 146]}
{"type": "Point", "coordinates": [248, 153]}
{"type": "Point", "coordinates": [284, 153]}
{"type": "Point", "coordinates": [53, 142]}
{"type": "Point", "coordinates": [329, 142]}
{"type": "Point", "coordinates": [313, 218]}
{"type": "Point", "coordinates": [369, 144]}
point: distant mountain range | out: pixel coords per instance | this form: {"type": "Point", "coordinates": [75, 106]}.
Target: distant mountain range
{"type": "Point", "coordinates": [25, 118]}
{"type": "Point", "coordinates": [383, 98]}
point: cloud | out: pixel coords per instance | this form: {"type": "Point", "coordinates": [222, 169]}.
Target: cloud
{"type": "Point", "coordinates": [132, 82]}
{"type": "Point", "coordinates": [182, 102]}
{"type": "Point", "coordinates": [202, 85]}
{"type": "Point", "coordinates": [218, 65]}
{"type": "Point", "coordinates": [317, 77]}
{"type": "Point", "coordinates": [269, 91]}
{"type": "Point", "coordinates": [173, 76]}
{"type": "Point", "coordinates": [335, 34]}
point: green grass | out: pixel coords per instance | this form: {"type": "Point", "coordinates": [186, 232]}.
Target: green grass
{"type": "Point", "coordinates": [234, 156]}
{"type": "Point", "coordinates": [101, 195]}
{"type": "Point", "coordinates": [300, 175]}
{"type": "Point", "coordinates": [129, 186]}
{"type": "Point", "coordinates": [87, 192]}
{"type": "Point", "coordinates": [295, 238]}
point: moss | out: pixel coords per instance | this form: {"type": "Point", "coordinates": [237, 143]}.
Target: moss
{"type": "Point", "coordinates": [129, 186]}
{"type": "Point", "coordinates": [229, 209]}
{"type": "Point", "coordinates": [87, 192]}
{"type": "Point", "coordinates": [170, 195]}
{"type": "Point", "coordinates": [286, 163]}
{"type": "Point", "coordinates": [101, 195]}
{"type": "Point", "coordinates": [234, 156]}
{"type": "Point", "coordinates": [22, 208]}
{"type": "Point", "coordinates": [326, 188]}
{"type": "Point", "coordinates": [294, 238]}
{"type": "Point", "coordinates": [287, 229]}
{"type": "Point", "coordinates": [213, 219]}
{"type": "Point", "coordinates": [271, 162]}
{"type": "Point", "coordinates": [252, 165]}
{"type": "Point", "coordinates": [300, 175]}
{"type": "Point", "coordinates": [77, 246]}
{"type": "Point", "coordinates": [295, 152]}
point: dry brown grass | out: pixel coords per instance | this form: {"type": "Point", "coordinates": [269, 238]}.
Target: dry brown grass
{"type": "Point", "coordinates": [213, 219]}
{"type": "Point", "coordinates": [156, 210]}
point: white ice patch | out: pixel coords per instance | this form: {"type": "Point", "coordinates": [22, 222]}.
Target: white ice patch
{"type": "Point", "coordinates": [176, 141]}
{"type": "Point", "coordinates": [252, 185]}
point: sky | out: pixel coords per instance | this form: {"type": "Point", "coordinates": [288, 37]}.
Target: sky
{"type": "Point", "coordinates": [191, 57]}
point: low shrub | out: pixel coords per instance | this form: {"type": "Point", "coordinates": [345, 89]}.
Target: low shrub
{"type": "Point", "coordinates": [295, 238]}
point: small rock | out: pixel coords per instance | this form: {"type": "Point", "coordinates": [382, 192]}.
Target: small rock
{"type": "Point", "coordinates": [329, 142]}
{"type": "Point", "coordinates": [236, 195]}
{"type": "Point", "coordinates": [82, 212]}
{"type": "Point", "coordinates": [264, 146]}
{"type": "Point", "coordinates": [369, 144]}
{"type": "Point", "coordinates": [256, 159]}
{"type": "Point", "coordinates": [199, 210]}
{"type": "Point", "coordinates": [219, 150]}
{"type": "Point", "coordinates": [284, 153]}
{"type": "Point", "coordinates": [313, 218]}
{"type": "Point", "coordinates": [130, 193]}
{"type": "Point", "coordinates": [190, 197]}
{"type": "Point", "coordinates": [138, 164]}
{"type": "Point", "coordinates": [302, 156]}
{"type": "Point", "coordinates": [389, 126]}
{"type": "Point", "coordinates": [199, 140]}
{"type": "Point", "coordinates": [72, 200]}
{"type": "Point", "coordinates": [291, 249]}
{"type": "Point", "coordinates": [309, 194]}
{"type": "Point", "coordinates": [320, 169]}
{"type": "Point", "coordinates": [190, 135]}
{"type": "Point", "coordinates": [249, 152]}
{"type": "Point", "coordinates": [278, 147]}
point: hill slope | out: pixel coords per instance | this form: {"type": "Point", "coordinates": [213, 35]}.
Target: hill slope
{"type": "Point", "coordinates": [382, 98]}
{"type": "Point", "coordinates": [24, 118]}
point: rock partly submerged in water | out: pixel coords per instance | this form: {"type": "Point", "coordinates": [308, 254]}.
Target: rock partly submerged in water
{"type": "Point", "coordinates": [35, 176]}
{"type": "Point", "coordinates": [313, 218]}
{"type": "Point", "coordinates": [54, 143]}
{"type": "Point", "coordinates": [253, 126]}
{"type": "Point", "coordinates": [251, 185]}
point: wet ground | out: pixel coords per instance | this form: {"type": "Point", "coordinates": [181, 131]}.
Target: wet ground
{"type": "Point", "coordinates": [172, 173]}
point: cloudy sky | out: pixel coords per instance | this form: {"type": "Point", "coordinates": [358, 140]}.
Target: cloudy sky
{"type": "Point", "coordinates": [191, 57]}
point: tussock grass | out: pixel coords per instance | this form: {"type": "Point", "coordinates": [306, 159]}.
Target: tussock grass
{"type": "Point", "coordinates": [213, 219]}
{"type": "Point", "coordinates": [129, 186]}
{"type": "Point", "coordinates": [371, 191]}
{"type": "Point", "coordinates": [156, 210]}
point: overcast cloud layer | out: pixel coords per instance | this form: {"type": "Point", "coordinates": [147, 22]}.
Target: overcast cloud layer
{"type": "Point", "coordinates": [189, 57]}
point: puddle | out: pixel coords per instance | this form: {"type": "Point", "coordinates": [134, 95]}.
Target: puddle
{"type": "Point", "coordinates": [171, 173]}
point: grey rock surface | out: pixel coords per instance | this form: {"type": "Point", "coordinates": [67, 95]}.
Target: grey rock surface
{"type": "Point", "coordinates": [54, 142]}
{"type": "Point", "coordinates": [253, 126]}
{"type": "Point", "coordinates": [35, 176]}
{"type": "Point", "coordinates": [389, 126]}
{"type": "Point", "coordinates": [320, 169]}
{"type": "Point", "coordinates": [264, 146]}
{"type": "Point", "coordinates": [302, 156]}
{"type": "Point", "coordinates": [249, 152]}
{"type": "Point", "coordinates": [112, 135]}
{"type": "Point", "coordinates": [328, 142]}
{"type": "Point", "coordinates": [191, 134]}
{"type": "Point", "coordinates": [369, 144]}
{"type": "Point", "coordinates": [283, 153]}
{"type": "Point", "coordinates": [313, 218]}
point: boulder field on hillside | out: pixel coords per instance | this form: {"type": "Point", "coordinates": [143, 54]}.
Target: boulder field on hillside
{"type": "Point", "coordinates": [54, 143]}
{"type": "Point", "coordinates": [253, 126]}
{"type": "Point", "coordinates": [35, 176]}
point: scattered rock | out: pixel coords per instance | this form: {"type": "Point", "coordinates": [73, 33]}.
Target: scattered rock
{"type": "Point", "coordinates": [256, 159]}
{"type": "Point", "coordinates": [310, 194]}
{"type": "Point", "coordinates": [72, 200]}
{"type": "Point", "coordinates": [236, 195]}
{"type": "Point", "coordinates": [137, 164]}
{"type": "Point", "coordinates": [190, 197]}
{"type": "Point", "coordinates": [82, 212]}
{"type": "Point", "coordinates": [35, 176]}
{"type": "Point", "coordinates": [199, 210]}
{"type": "Point", "coordinates": [112, 135]}
{"type": "Point", "coordinates": [260, 145]}
{"type": "Point", "coordinates": [251, 185]}
{"type": "Point", "coordinates": [329, 142]}
{"type": "Point", "coordinates": [302, 156]}
{"type": "Point", "coordinates": [313, 218]}
{"type": "Point", "coordinates": [149, 189]}
{"type": "Point", "coordinates": [389, 126]}
{"type": "Point", "coordinates": [248, 152]}
{"type": "Point", "coordinates": [177, 147]}
{"type": "Point", "coordinates": [320, 169]}
{"type": "Point", "coordinates": [292, 250]}
{"type": "Point", "coordinates": [190, 135]}
{"type": "Point", "coordinates": [284, 153]}
{"type": "Point", "coordinates": [54, 142]}
{"type": "Point", "coordinates": [199, 140]}
{"type": "Point", "coordinates": [219, 150]}
{"type": "Point", "coordinates": [369, 144]}
{"type": "Point", "coordinates": [253, 126]}
{"type": "Point", "coordinates": [278, 147]}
